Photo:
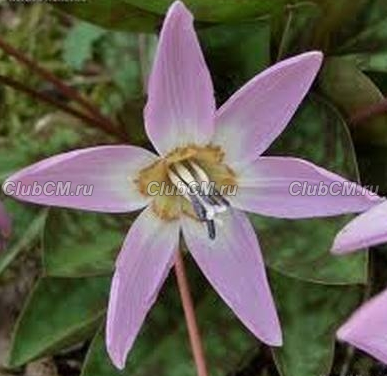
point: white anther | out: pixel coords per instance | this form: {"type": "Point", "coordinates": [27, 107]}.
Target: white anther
{"type": "Point", "coordinates": [176, 180]}
{"type": "Point", "coordinates": [184, 178]}
{"type": "Point", "coordinates": [200, 172]}
{"type": "Point", "coordinates": [185, 173]}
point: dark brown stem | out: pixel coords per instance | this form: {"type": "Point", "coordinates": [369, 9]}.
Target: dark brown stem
{"type": "Point", "coordinates": [189, 312]}
{"type": "Point", "coordinates": [62, 106]}
{"type": "Point", "coordinates": [66, 90]}
{"type": "Point", "coordinates": [369, 112]}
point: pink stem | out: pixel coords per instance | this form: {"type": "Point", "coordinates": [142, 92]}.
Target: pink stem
{"type": "Point", "coordinates": [189, 312]}
{"type": "Point", "coordinates": [369, 111]}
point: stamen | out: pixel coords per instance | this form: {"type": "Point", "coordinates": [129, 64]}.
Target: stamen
{"type": "Point", "coordinates": [205, 206]}
{"type": "Point", "coordinates": [194, 198]}
{"type": "Point", "coordinates": [199, 209]}
{"type": "Point", "coordinates": [211, 229]}
{"type": "Point", "coordinates": [200, 172]}
{"type": "Point", "coordinates": [185, 173]}
{"type": "Point", "coordinates": [175, 179]}
{"type": "Point", "coordinates": [220, 198]}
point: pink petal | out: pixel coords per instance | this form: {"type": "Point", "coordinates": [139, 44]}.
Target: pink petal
{"type": "Point", "coordinates": [365, 230]}
{"type": "Point", "coordinates": [233, 264]}
{"type": "Point", "coordinates": [181, 102]}
{"type": "Point", "coordinates": [257, 114]}
{"type": "Point", "coordinates": [141, 268]}
{"type": "Point", "coordinates": [367, 328]}
{"type": "Point", "coordinates": [266, 185]}
{"type": "Point", "coordinates": [110, 170]}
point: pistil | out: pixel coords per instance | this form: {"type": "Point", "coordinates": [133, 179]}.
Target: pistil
{"type": "Point", "coordinates": [206, 205]}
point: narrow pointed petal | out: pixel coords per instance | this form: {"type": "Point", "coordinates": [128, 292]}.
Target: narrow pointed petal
{"type": "Point", "coordinates": [181, 104]}
{"type": "Point", "coordinates": [141, 268]}
{"type": "Point", "coordinates": [256, 115]}
{"type": "Point", "coordinates": [110, 171]}
{"type": "Point", "coordinates": [367, 328]}
{"type": "Point", "coordinates": [233, 264]}
{"type": "Point", "coordinates": [273, 186]}
{"type": "Point", "coordinates": [366, 230]}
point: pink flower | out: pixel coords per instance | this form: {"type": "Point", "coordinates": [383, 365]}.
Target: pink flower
{"type": "Point", "coordinates": [365, 230]}
{"type": "Point", "coordinates": [197, 143]}
{"type": "Point", "coordinates": [367, 328]}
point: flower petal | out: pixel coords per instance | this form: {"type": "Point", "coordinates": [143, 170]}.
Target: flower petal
{"type": "Point", "coordinates": [233, 264]}
{"type": "Point", "coordinates": [273, 186]}
{"type": "Point", "coordinates": [181, 104]}
{"type": "Point", "coordinates": [110, 171]}
{"type": "Point", "coordinates": [367, 328]}
{"type": "Point", "coordinates": [366, 230]}
{"type": "Point", "coordinates": [141, 268]}
{"type": "Point", "coordinates": [257, 114]}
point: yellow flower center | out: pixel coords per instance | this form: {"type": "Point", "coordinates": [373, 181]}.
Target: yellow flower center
{"type": "Point", "coordinates": [186, 165]}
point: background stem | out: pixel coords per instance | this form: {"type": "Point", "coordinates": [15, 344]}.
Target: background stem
{"type": "Point", "coordinates": [370, 111]}
{"type": "Point", "coordinates": [66, 90]}
{"type": "Point", "coordinates": [61, 105]}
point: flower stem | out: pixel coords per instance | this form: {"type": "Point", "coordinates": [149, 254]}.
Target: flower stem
{"type": "Point", "coordinates": [62, 106]}
{"type": "Point", "coordinates": [369, 111]}
{"type": "Point", "coordinates": [189, 312]}
{"type": "Point", "coordinates": [66, 90]}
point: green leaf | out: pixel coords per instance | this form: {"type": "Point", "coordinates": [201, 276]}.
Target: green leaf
{"type": "Point", "coordinates": [372, 39]}
{"type": "Point", "coordinates": [297, 19]}
{"type": "Point", "coordinates": [113, 14]}
{"type": "Point", "coordinates": [163, 343]}
{"type": "Point", "coordinates": [81, 243]}
{"type": "Point", "coordinates": [28, 220]}
{"type": "Point", "coordinates": [58, 313]}
{"type": "Point", "coordinates": [217, 10]}
{"type": "Point", "coordinates": [300, 248]}
{"type": "Point", "coordinates": [371, 62]}
{"type": "Point", "coordinates": [351, 90]}
{"type": "Point", "coordinates": [27, 227]}
{"type": "Point", "coordinates": [231, 62]}
{"type": "Point", "coordinates": [226, 11]}
{"type": "Point", "coordinates": [368, 25]}
{"type": "Point", "coordinates": [368, 48]}
{"type": "Point", "coordinates": [119, 52]}
{"type": "Point", "coordinates": [77, 46]}
{"type": "Point", "coordinates": [310, 315]}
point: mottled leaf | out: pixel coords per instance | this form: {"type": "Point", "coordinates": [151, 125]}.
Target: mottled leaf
{"type": "Point", "coordinates": [113, 14]}
{"type": "Point", "coordinates": [81, 243]}
{"type": "Point", "coordinates": [310, 314]}
{"type": "Point", "coordinates": [163, 346]}
{"type": "Point", "coordinates": [78, 45]}
{"type": "Point", "coordinates": [351, 90]}
{"type": "Point", "coordinates": [231, 62]}
{"type": "Point", "coordinates": [297, 19]}
{"type": "Point", "coordinates": [27, 227]}
{"type": "Point", "coordinates": [300, 248]}
{"type": "Point", "coordinates": [58, 313]}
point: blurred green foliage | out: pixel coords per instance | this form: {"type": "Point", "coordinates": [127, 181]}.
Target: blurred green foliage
{"type": "Point", "coordinates": [314, 291]}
